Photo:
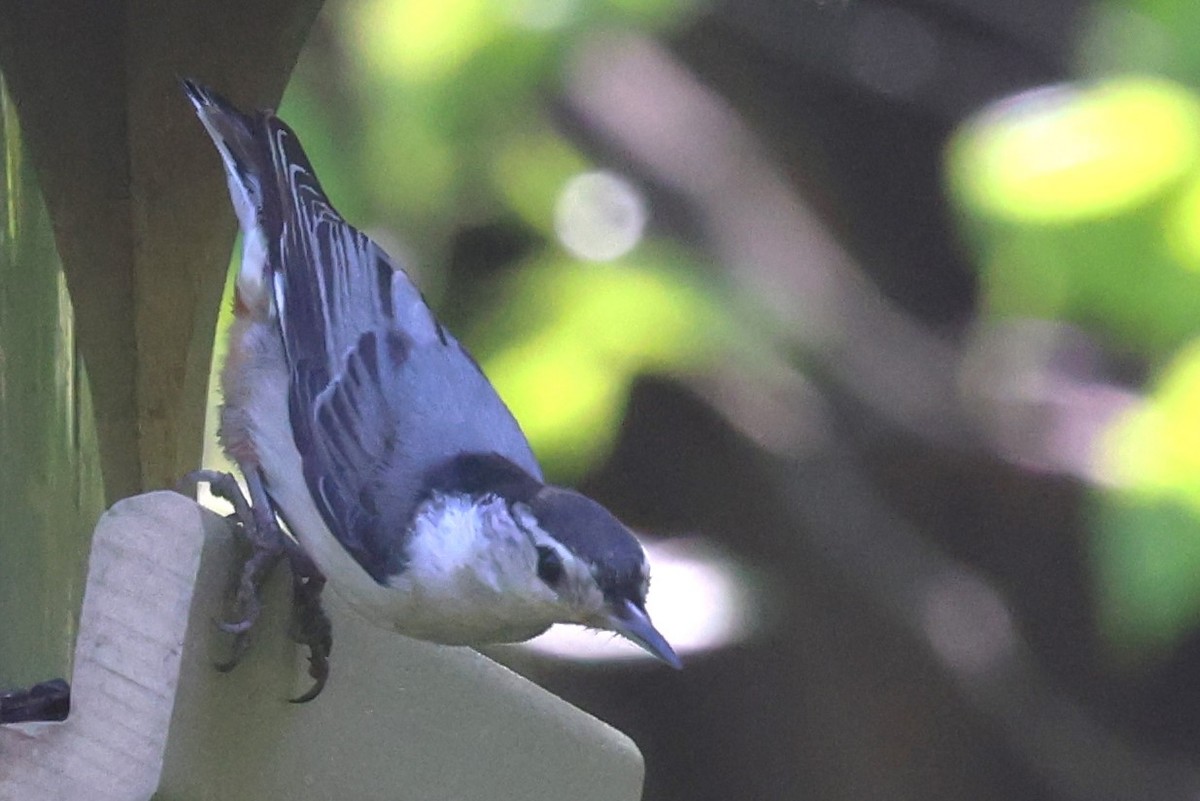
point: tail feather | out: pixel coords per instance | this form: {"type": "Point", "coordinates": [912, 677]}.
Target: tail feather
{"type": "Point", "coordinates": [248, 171]}
{"type": "Point", "coordinates": [246, 161]}
{"type": "Point", "coordinates": [328, 281]}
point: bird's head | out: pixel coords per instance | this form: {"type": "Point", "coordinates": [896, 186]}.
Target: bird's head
{"type": "Point", "coordinates": [568, 557]}
{"type": "Point", "coordinates": [593, 564]}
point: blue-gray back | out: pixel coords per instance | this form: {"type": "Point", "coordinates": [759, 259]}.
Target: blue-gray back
{"type": "Point", "coordinates": [381, 394]}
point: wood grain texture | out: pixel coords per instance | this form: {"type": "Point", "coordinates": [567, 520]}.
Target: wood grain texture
{"type": "Point", "coordinates": [399, 718]}
{"type": "Point", "coordinates": [141, 574]}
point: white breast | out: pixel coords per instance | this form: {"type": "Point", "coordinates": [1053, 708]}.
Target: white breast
{"type": "Point", "coordinates": [472, 577]}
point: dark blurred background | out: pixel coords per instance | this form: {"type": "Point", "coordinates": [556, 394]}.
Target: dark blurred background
{"type": "Point", "coordinates": [887, 353]}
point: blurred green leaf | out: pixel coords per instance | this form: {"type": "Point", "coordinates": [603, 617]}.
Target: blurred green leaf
{"type": "Point", "coordinates": [1065, 154]}
{"type": "Point", "coordinates": [1156, 449]}
{"type": "Point", "coordinates": [1147, 558]}
{"type": "Point", "coordinates": [1147, 544]}
{"type": "Point", "coordinates": [530, 170]}
{"type": "Point", "coordinates": [416, 40]}
{"type": "Point", "coordinates": [573, 336]}
{"type": "Point", "coordinates": [1081, 202]}
{"type": "Point", "coordinates": [1143, 36]}
{"type": "Point", "coordinates": [407, 163]}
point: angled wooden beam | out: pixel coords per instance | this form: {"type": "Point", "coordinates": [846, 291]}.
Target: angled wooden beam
{"type": "Point", "coordinates": [137, 206]}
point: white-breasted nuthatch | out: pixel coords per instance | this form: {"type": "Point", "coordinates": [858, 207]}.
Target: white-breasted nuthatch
{"type": "Point", "coordinates": [365, 425]}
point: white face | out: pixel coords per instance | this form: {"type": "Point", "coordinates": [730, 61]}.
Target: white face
{"type": "Point", "coordinates": [556, 568]}
{"type": "Point", "coordinates": [487, 572]}
{"type": "Point", "coordinates": [473, 577]}
{"type": "Point", "coordinates": [573, 581]}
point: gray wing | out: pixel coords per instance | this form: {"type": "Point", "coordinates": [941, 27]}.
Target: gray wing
{"type": "Point", "coordinates": [381, 394]}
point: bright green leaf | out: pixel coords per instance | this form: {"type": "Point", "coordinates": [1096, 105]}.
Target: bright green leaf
{"type": "Point", "coordinates": [418, 40]}
{"type": "Point", "coordinates": [1064, 154]}
{"type": "Point", "coordinates": [1082, 203]}
{"type": "Point", "coordinates": [574, 336]}
{"type": "Point", "coordinates": [1147, 543]}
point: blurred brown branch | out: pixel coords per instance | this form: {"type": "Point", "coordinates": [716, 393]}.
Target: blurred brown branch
{"type": "Point", "coordinates": [644, 104]}
{"type": "Point", "coordinates": [776, 251]}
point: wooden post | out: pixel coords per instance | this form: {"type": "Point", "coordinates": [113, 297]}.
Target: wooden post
{"type": "Point", "coordinates": [140, 212]}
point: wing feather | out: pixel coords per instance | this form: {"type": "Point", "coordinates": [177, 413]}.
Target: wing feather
{"type": "Point", "coordinates": [381, 395]}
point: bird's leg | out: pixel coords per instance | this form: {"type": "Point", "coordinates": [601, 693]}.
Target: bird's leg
{"type": "Point", "coordinates": [256, 521]}
{"type": "Point", "coordinates": [310, 625]}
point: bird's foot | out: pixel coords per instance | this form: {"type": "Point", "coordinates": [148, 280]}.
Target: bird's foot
{"type": "Point", "coordinates": [267, 542]}
{"type": "Point", "coordinates": [310, 625]}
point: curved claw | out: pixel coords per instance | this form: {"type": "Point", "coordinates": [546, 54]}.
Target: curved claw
{"type": "Point", "coordinates": [310, 695]}
{"type": "Point", "coordinates": [310, 625]}
{"type": "Point", "coordinates": [320, 676]}
{"type": "Point", "coordinates": [257, 524]}
{"type": "Point", "coordinates": [318, 665]}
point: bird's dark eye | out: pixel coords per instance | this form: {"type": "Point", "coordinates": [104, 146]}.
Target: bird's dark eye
{"type": "Point", "coordinates": [549, 566]}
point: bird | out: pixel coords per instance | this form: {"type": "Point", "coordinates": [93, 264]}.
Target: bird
{"type": "Point", "coordinates": [359, 421]}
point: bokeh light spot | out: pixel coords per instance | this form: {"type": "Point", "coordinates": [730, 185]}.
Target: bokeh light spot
{"type": "Point", "coordinates": [600, 216]}
{"type": "Point", "coordinates": [418, 40]}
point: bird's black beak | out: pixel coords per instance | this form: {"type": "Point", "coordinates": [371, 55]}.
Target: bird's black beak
{"type": "Point", "coordinates": [632, 623]}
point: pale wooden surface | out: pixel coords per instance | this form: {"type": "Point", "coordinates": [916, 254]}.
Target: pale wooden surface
{"type": "Point", "coordinates": [137, 602]}
{"type": "Point", "coordinates": [399, 719]}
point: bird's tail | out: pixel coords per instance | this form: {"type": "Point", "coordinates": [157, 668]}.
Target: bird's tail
{"type": "Point", "coordinates": [247, 160]}
{"type": "Point", "coordinates": [327, 281]}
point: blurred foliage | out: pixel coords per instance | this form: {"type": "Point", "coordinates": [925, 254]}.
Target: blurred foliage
{"type": "Point", "coordinates": [575, 335]}
{"type": "Point", "coordinates": [436, 122]}
{"type": "Point", "coordinates": [1147, 550]}
{"type": "Point", "coordinates": [1082, 203]}
{"type": "Point", "coordinates": [429, 95]}
{"type": "Point", "coordinates": [1143, 36]}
